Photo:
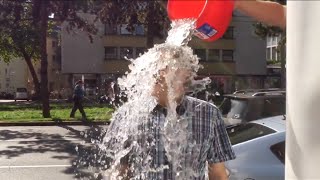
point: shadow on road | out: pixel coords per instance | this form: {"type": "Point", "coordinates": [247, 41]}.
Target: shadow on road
{"type": "Point", "coordinates": [86, 159]}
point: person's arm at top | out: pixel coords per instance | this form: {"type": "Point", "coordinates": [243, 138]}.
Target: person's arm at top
{"type": "Point", "coordinates": [267, 12]}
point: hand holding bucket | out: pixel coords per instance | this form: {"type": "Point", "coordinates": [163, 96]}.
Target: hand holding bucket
{"type": "Point", "coordinates": [212, 16]}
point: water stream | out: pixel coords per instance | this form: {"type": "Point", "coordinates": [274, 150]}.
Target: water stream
{"type": "Point", "coordinates": [130, 139]}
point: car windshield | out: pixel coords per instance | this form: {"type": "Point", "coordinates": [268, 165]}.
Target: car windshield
{"type": "Point", "coordinates": [233, 108]}
{"type": "Point", "coordinates": [245, 132]}
{"type": "Point", "coordinates": [21, 90]}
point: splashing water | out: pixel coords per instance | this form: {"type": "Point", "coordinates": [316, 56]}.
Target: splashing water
{"type": "Point", "coordinates": [127, 138]}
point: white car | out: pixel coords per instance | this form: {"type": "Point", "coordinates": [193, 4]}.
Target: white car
{"type": "Point", "coordinates": [21, 94]}
{"type": "Point", "coordinates": [260, 150]}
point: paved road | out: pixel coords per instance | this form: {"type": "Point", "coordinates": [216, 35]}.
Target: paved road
{"type": "Point", "coordinates": [49, 152]}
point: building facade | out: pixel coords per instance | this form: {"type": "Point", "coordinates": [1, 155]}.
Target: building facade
{"type": "Point", "coordinates": [58, 83]}
{"type": "Point", "coordinates": [238, 55]}
{"type": "Point", "coordinates": [13, 75]}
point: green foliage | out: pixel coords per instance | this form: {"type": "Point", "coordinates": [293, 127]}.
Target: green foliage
{"type": "Point", "coordinates": [19, 30]}
{"type": "Point", "coordinates": [32, 113]}
{"type": "Point", "coordinates": [135, 12]}
{"type": "Point", "coordinates": [18, 38]}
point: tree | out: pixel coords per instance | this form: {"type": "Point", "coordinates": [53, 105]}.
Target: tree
{"type": "Point", "coordinates": [35, 14]}
{"type": "Point", "coordinates": [263, 31]}
{"type": "Point", "coordinates": [18, 38]}
{"type": "Point", "coordinates": [151, 14]}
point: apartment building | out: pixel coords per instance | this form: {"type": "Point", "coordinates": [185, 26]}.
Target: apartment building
{"type": "Point", "coordinates": [235, 59]}
{"type": "Point", "coordinates": [58, 83]}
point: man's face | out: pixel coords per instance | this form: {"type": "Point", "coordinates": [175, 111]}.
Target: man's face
{"type": "Point", "coordinates": [181, 82]}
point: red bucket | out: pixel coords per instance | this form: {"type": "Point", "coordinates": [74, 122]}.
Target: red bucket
{"type": "Point", "coordinates": [213, 16]}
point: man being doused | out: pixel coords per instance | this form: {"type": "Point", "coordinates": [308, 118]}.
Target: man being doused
{"type": "Point", "coordinates": [182, 137]}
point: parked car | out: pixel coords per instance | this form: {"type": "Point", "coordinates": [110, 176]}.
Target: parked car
{"type": "Point", "coordinates": [247, 105]}
{"type": "Point", "coordinates": [260, 150]}
{"type": "Point", "coordinates": [4, 95]}
{"type": "Point", "coordinates": [21, 94]}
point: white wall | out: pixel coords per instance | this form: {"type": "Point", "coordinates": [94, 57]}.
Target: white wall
{"type": "Point", "coordinates": [303, 90]}
{"type": "Point", "coordinates": [15, 77]}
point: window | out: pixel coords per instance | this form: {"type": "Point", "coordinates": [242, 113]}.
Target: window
{"type": "Point", "coordinates": [279, 150]}
{"type": "Point", "coordinates": [54, 44]}
{"type": "Point", "coordinates": [234, 108]}
{"type": "Point", "coordinates": [245, 132]}
{"type": "Point", "coordinates": [201, 53]}
{"type": "Point", "coordinates": [229, 33]}
{"type": "Point", "coordinates": [140, 51]}
{"type": "Point", "coordinates": [214, 55]}
{"type": "Point", "coordinates": [274, 53]}
{"type": "Point", "coordinates": [268, 54]}
{"type": "Point", "coordinates": [53, 57]}
{"type": "Point", "coordinates": [227, 55]}
{"type": "Point", "coordinates": [21, 90]}
{"type": "Point", "coordinates": [269, 40]}
{"type": "Point", "coordinates": [126, 52]}
{"type": "Point", "coordinates": [274, 106]}
{"type": "Point", "coordinates": [139, 30]}
{"type": "Point", "coordinates": [124, 31]}
{"type": "Point", "coordinates": [274, 40]}
{"type": "Point", "coordinates": [110, 52]}
{"type": "Point", "coordinates": [6, 71]}
{"type": "Point", "coordinates": [110, 29]}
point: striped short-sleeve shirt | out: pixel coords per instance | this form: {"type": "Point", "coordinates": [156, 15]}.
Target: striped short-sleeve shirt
{"type": "Point", "coordinates": [207, 142]}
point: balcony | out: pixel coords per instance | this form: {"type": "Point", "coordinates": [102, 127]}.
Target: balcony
{"type": "Point", "coordinates": [128, 40]}
{"type": "Point", "coordinates": [221, 68]}
{"type": "Point", "coordinates": [116, 66]}
{"type": "Point", "coordinates": [197, 43]}
{"type": "Point", "coordinates": [209, 68]}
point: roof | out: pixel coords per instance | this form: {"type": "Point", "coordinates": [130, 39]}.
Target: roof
{"type": "Point", "coordinates": [277, 123]}
{"type": "Point", "coordinates": [254, 93]}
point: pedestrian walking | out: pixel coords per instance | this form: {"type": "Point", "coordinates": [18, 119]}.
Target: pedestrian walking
{"type": "Point", "coordinates": [78, 95]}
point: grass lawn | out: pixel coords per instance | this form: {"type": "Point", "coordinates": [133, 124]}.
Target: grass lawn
{"type": "Point", "coordinates": [33, 113]}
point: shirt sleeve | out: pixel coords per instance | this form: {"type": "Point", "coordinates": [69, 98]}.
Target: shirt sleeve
{"type": "Point", "coordinates": [220, 148]}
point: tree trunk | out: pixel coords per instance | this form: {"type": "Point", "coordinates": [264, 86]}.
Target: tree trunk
{"type": "Point", "coordinates": [150, 26]}
{"type": "Point", "coordinates": [44, 61]}
{"type": "Point", "coordinates": [33, 74]}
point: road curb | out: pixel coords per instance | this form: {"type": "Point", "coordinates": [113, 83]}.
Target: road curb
{"type": "Point", "coordinates": [54, 123]}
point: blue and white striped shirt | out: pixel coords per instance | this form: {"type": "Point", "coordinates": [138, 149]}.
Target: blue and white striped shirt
{"type": "Point", "coordinates": [206, 142]}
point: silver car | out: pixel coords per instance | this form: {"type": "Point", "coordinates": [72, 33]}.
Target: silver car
{"type": "Point", "coordinates": [260, 150]}
{"type": "Point", "coordinates": [21, 94]}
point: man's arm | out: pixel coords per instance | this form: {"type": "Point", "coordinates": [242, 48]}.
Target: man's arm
{"type": "Point", "coordinates": [271, 13]}
{"type": "Point", "coordinates": [217, 172]}
{"type": "Point", "coordinates": [220, 149]}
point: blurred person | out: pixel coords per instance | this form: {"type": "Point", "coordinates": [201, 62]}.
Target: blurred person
{"type": "Point", "coordinates": [78, 95]}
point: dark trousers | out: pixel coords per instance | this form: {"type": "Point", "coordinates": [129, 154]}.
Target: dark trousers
{"type": "Point", "coordinates": [77, 105]}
